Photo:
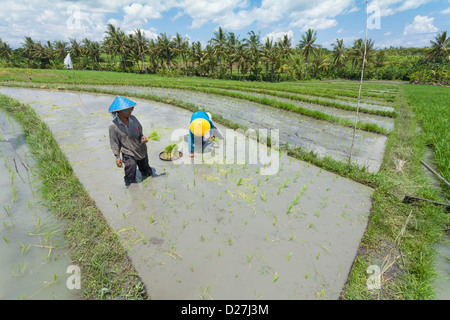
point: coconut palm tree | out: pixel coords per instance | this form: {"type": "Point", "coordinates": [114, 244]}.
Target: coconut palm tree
{"type": "Point", "coordinates": [5, 50]}
{"type": "Point", "coordinates": [165, 48]}
{"type": "Point", "coordinates": [180, 48]}
{"type": "Point", "coordinates": [254, 51]}
{"type": "Point", "coordinates": [60, 49]}
{"type": "Point", "coordinates": [270, 54]}
{"type": "Point", "coordinates": [75, 50]}
{"type": "Point", "coordinates": [440, 47]}
{"type": "Point", "coordinates": [320, 61]}
{"type": "Point", "coordinates": [285, 46]}
{"type": "Point", "coordinates": [241, 57]}
{"type": "Point", "coordinates": [139, 43]}
{"type": "Point", "coordinates": [218, 43]}
{"type": "Point", "coordinates": [338, 53]}
{"type": "Point", "coordinates": [230, 50]}
{"type": "Point", "coordinates": [307, 46]}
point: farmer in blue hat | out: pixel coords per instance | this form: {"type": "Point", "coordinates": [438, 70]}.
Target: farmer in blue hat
{"type": "Point", "coordinates": [126, 137]}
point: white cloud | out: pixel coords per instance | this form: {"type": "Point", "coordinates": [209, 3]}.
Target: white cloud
{"type": "Point", "coordinates": [446, 11]}
{"type": "Point", "coordinates": [420, 25]}
{"type": "Point", "coordinates": [391, 7]}
{"type": "Point", "coordinates": [277, 36]}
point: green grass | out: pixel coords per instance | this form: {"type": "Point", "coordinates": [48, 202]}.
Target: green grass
{"type": "Point", "coordinates": [94, 246]}
{"type": "Point", "coordinates": [402, 235]}
{"type": "Point", "coordinates": [432, 105]}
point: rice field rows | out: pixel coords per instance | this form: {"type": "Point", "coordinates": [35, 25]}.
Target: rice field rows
{"type": "Point", "coordinates": [317, 117]}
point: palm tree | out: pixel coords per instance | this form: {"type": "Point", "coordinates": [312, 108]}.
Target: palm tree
{"type": "Point", "coordinates": [320, 61]}
{"type": "Point", "coordinates": [271, 54]}
{"type": "Point", "coordinates": [75, 49]}
{"type": "Point", "coordinates": [306, 44]}
{"type": "Point", "coordinates": [180, 47]}
{"type": "Point", "coordinates": [253, 44]}
{"type": "Point", "coordinates": [338, 53]}
{"type": "Point", "coordinates": [230, 50]}
{"type": "Point", "coordinates": [91, 50]}
{"type": "Point", "coordinates": [108, 40]}
{"type": "Point", "coordinates": [29, 47]}
{"type": "Point", "coordinates": [5, 50]}
{"type": "Point", "coordinates": [440, 47]}
{"type": "Point", "coordinates": [285, 46]}
{"type": "Point", "coordinates": [218, 44]}
{"type": "Point", "coordinates": [60, 49]}
{"type": "Point", "coordinates": [139, 42]}
{"type": "Point", "coordinates": [240, 56]}
{"type": "Point", "coordinates": [165, 48]}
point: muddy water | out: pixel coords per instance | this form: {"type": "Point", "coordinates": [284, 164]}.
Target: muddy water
{"type": "Point", "coordinates": [212, 230]}
{"type": "Point", "coordinates": [323, 138]}
{"type": "Point", "coordinates": [33, 256]}
{"type": "Point", "coordinates": [383, 122]}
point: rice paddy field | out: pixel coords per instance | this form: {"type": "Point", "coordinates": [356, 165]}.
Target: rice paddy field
{"type": "Point", "coordinates": [222, 230]}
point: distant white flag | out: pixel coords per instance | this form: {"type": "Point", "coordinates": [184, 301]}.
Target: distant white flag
{"type": "Point", "coordinates": [68, 62]}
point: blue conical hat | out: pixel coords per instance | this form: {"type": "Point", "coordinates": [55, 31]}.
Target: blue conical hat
{"type": "Point", "coordinates": [121, 103]}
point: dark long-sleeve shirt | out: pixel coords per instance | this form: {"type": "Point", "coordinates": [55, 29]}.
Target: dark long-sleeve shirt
{"type": "Point", "coordinates": [127, 139]}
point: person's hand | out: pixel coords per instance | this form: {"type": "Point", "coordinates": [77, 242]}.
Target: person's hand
{"type": "Point", "coordinates": [192, 155]}
{"type": "Point", "coordinates": [212, 138]}
{"type": "Point", "coordinates": [144, 139]}
{"type": "Point", "coordinates": [119, 163]}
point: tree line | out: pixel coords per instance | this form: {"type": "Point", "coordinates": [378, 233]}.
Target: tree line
{"type": "Point", "coordinates": [228, 57]}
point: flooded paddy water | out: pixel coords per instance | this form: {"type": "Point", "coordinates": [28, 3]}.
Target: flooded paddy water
{"type": "Point", "coordinates": [33, 255]}
{"type": "Point", "coordinates": [212, 229]}
{"type": "Point", "coordinates": [321, 137]}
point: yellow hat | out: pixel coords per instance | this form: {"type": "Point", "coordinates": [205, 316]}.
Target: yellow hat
{"type": "Point", "coordinates": [199, 126]}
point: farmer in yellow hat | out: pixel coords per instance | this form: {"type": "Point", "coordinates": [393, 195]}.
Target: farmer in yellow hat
{"type": "Point", "coordinates": [201, 125]}
{"type": "Point", "coordinates": [126, 137]}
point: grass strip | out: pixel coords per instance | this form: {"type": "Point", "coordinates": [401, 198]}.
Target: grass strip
{"type": "Point", "coordinates": [400, 238]}
{"type": "Point", "coordinates": [432, 105]}
{"type": "Point", "coordinates": [106, 271]}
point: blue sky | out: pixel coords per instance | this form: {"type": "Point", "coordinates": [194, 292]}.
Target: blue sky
{"type": "Point", "coordinates": [408, 23]}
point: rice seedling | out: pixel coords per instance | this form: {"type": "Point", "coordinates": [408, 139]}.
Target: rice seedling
{"type": "Point", "coordinates": [307, 275]}
{"type": "Point", "coordinates": [317, 213]}
{"type": "Point", "coordinates": [154, 136]}
{"type": "Point", "coordinates": [279, 189]}
{"type": "Point", "coordinates": [7, 211]}
{"type": "Point", "coordinates": [20, 270]}
{"type": "Point", "coordinates": [219, 253]}
{"type": "Point", "coordinates": [275, 277]}
{"type": "Point", "coordinates": [239, 182]}
{"type": "Point", "coordinates": [5, 239]}
{"type": "Point", "coordinates": [289, 208]}
{"type": "Point", "coordinates": [249, 257]}
{"type": "Point", "coordinates": [25, 248]}
{"type": "Point", "coordinates": [264, 196]}
{"type": "Point", "coordinates": [230, 241]}
{"type": "Point", "coordinates": [14, 193]}
{"type": "Point", "coordinates": [289, 256]}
